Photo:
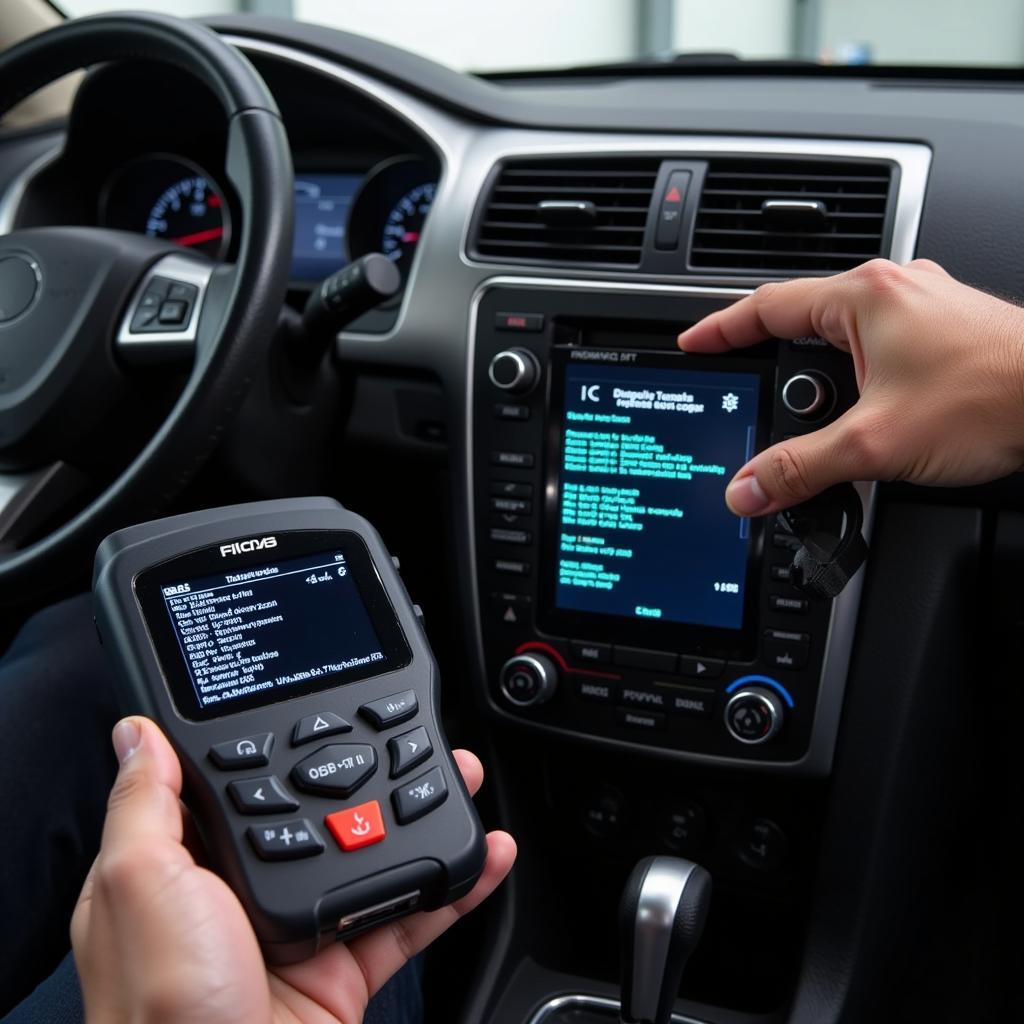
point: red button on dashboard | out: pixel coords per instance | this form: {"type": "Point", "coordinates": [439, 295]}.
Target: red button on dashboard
{"type": "Point", "coordinates": [357, 827]}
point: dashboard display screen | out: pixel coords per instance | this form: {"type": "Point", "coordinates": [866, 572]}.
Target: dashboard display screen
{"type": "Point", "coordinates": [646, 449]}
{"type": "Point", "coordinates": [256, 634]}
{"type": "Point", "coordinates": [322, 206]}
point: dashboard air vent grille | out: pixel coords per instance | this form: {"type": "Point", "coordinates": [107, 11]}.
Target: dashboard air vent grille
{"type": "Point", "coordinates": [790, 215]}
{"type": "Point", "coordinates": [586, 210]}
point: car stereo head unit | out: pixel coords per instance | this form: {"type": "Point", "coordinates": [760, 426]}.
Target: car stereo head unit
{"type": "Point", "coordinates": [619, 598]}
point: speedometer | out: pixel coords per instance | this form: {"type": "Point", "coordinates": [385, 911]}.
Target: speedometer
{"type": "Point", "coordinates": [405, 222]}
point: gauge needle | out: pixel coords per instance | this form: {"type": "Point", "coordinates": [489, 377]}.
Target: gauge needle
{"type": "Point", "coordinates": [198, 237]}
{"type": "Point", "coordinates": [411, 236]}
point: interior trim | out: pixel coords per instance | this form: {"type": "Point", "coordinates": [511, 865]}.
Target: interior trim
{"type": "Point", "coordinates": [572, 1003]}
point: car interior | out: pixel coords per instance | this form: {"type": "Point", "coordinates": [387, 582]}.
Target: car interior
{"type": "Point", "coordinates": [441, 296]}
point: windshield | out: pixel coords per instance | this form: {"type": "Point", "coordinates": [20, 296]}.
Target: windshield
{"type": "Point", "coordinates": [488, 35]}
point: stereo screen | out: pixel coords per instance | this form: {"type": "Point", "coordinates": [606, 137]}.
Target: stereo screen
{"type": "Point", "coordinates": [643, 531]}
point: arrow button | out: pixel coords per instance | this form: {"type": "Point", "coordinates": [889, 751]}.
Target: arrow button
{"type": "Point", "coordinates": [313, 727]}
{"type": "Point", "coordinates": [261, 796]}
{"type": "Point", "coordinates": [409, 750]}
{"type": "Point", "coordinates": [700, 668]}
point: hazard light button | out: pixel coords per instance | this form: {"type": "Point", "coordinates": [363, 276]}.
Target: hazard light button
{"type": "Point", "coordinates": [356, 827]}
{"type": "Point", "coordinates": [670, 211]}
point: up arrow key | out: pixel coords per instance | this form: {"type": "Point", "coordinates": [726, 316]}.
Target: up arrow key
{"type": "Point", "coordinates": [320, 724]}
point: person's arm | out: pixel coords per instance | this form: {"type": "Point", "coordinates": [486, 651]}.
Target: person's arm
{"type": "Point", "coordinates": [939, 365]}
{"type": "Point", "coordinates": [157, 937]}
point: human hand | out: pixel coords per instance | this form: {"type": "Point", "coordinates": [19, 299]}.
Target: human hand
{"type": "Point", "coordinates": [158, 938]}
{"type": "Point", "coordinates": [939, 365]}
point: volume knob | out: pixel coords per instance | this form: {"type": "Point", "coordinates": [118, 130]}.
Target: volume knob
{"type": "Point", "coordinates": [528, 679]}
{"type": "Point", "coordinates": [809, 395]}
{"type": "Point", "coordinates": [515, 370]}
{"type": "Point", "coordinates": [754, 715]}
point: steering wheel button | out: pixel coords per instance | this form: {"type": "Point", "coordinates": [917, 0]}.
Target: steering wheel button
{"type": "Point", "coordinates": [143, 319]}
{"type": "Point", "coordinates": [180, 290]}
{"type": "Point", "coordinates": [173, 311]}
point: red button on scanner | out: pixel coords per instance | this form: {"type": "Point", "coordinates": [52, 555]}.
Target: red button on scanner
{"type": "Point", "coordinates": [357, 827]}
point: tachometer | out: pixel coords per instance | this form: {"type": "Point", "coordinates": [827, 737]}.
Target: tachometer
{"type": "Point", "coordinates": [190, 212]}
{"type": "Point", "coordinates": [405, 222]}
{"type": "Point", "coordinates": [169, 197]}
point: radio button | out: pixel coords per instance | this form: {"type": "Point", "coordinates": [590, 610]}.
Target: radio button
{"type": "Point", "coordinates": [809, 395]}
{"type": "Point", "coordinates": [644, 697]}
{"type": "Point", "coordinates": [336, 770]}
{"type": "Point", "coordinates": [408, 750]}
{"type": "Point", "coordinates": [512, 460]}
{"type": "Point", "coordinates": [787, 541]}
{"type": "Point", "coordinates": [528, 678]}
{"type": "Point", "coordinates": [692, 701]}
{"type": "Point", "coordinates": [650, 720]}
{"type": "Point", "coordinates": [700, 668]}
{"type": "Point", "coordinates": [247, 752]}
{"type": "Point", "coordinates": [790, 605]}
{"type": "Point", "coordinates": [285, 840]}
{"type": "Point", "coordinates": [504, 411]}
{"type": "Point", "coordinates": [389, 711]}
{"type": "Point", "coordinates": [596, 690]}
{"type": "Point", "coordinates": [782, 573]}
{"type": "Point", "coordinates": [530, 322]}
{"type": "Point", "coordinates": [419, 796]}
{"type": "Point", "coordinates": [517, 506]}
{"type": "Point", "coordinates": [504, 536]}
{"type": "Point", "coordinates": [261, 796]}
{"type": "Point", "coordinates": [595, 654]}
{"type": "Point", "coordinates": [511, 567]}
{"type": "Point", "coordinates": [312, 727]}
{"type": "Point", "coordinates": [754, 715]}
{"type": "Point", "coordinates": [511, 489]}
{"type": "Point", "coordinates": [652, 661]}
{"type": "Point", "coordinates": [786, 650]}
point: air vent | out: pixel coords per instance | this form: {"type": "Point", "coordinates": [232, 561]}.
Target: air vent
{"type": "Point", "coordinates": [584, 211]}
{"type": "Point", "coordinates": [790, 215]}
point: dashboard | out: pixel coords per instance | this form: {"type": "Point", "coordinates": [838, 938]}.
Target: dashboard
{"type": "Point", "coordinates": [629, 658]}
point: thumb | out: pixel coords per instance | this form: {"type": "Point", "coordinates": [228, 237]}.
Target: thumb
{"type": "Point", "coordinates": [795, 470]}
{"type": "Point", "coordinates": [143, 804]}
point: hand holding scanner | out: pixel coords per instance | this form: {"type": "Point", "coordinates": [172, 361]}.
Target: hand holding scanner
{"type": "Point", "coordinates": [276, 646]}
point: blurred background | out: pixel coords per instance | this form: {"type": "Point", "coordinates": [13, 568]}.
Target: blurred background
{"type": "Point", "coordinates": [490, 35]}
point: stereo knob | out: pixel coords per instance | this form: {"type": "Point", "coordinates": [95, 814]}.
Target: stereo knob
{"type": "Point", "coordinates": [809, 395]}
{"type": "Point", "coordinates": [754, 715]}
{"type": "Point", "coordinates": [528, 679]}
{"type": "Point", "coordinates": [515, 370]}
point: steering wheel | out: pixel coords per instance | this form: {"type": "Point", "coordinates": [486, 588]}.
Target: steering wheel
{"type": "Point", "coordinates": [75, 300]}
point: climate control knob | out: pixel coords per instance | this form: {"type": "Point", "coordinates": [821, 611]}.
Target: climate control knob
{"type": "Point", "coordinates": [809, 395]}
{"type": "Point", "coordinates": [754, 715]}
{"type": "Point", "coordinates": [528, 679]}
{"type": "Point", "coordinates": [515, 370]}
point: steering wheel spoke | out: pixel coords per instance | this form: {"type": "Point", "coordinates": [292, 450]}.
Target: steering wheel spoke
{"type": "Point", "coordinates": [31, 501]}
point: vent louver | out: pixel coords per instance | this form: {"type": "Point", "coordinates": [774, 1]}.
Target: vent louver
{"type": "Point", "coordinates": [782, 216]}
{"type": "Point", "coordinates": [589, 211]}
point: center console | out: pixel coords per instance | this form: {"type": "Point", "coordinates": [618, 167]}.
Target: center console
{"type": "Point", "coordinates": [619, 599]}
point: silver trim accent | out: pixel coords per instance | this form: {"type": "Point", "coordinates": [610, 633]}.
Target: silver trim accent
{"type": "Point", "coordinates": [10, 201]}
{"type": "Point", "coordinates": [158, 344]}
{"type": "Point", "coordinates": [526, 364]}
{"type": "Point", "coordinates": [358, 916]}
{"type": "Point", "coordinates": [819, 396]}
{"type": "Point", "coordinates": [25, 257]}
{"type": "Point", "coordinates": [544, 1013]}
{"type": "Point", "coordinates": [11, 485]}
{"type": "Point", "coordinates": [661, 892]}
{"type": "Point", "coordinates": [771, 704]}
{"type": "Point", "coordinates": [793, 206]}
{"type": "Point", "coordinates": [548, 679]}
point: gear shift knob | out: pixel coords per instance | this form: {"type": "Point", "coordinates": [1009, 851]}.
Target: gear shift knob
{"type": "Point", "coordinates": [661, 917]}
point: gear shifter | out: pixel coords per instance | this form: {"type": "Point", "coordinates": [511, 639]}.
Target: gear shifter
{"type": "Point", "coordinates": [661, 917]}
